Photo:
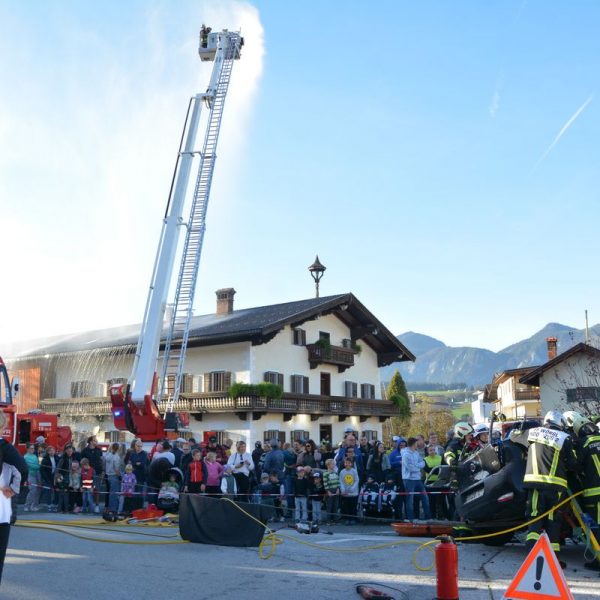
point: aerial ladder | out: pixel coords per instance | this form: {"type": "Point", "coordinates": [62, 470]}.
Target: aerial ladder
{"type": "Point", "coordinates": [135, 404]}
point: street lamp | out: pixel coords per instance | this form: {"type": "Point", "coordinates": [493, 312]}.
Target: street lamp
{"type": "Point", "coordinates": [317, 270]}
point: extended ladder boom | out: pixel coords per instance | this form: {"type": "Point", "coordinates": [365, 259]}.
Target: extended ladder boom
{"type": "Point", "coordinates": [135, 408]}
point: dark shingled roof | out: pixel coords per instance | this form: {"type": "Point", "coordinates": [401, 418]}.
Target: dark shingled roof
{"type": "Point", "coordinates": [257, 325]}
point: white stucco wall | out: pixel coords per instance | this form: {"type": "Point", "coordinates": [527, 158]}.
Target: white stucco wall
{"type": "Point", "coordinates": [580, 370]}
{"type": "Point", "coordinates": [282, 356]}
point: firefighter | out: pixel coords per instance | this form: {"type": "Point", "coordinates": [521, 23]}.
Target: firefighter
{"type": "Point", "coordinates": [481, 437]}
{"type": "Point", "coordinates": [463, 436]}
{"type": "Point", "coordinates": [549, 458]}
{"type": "Point", "coordinates": [588, 463]}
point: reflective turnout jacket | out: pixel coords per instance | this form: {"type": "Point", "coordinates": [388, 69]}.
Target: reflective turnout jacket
{"type": "Point", "coordinates": [549, 458]}
{"type": "Point", "coordinates": [589, 464]}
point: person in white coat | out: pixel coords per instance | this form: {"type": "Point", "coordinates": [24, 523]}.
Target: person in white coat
{"type": "Point", "coordinates": [242, 464]}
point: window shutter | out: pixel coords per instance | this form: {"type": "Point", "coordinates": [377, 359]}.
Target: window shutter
{"type": "Point", "coordinates": [226, 381]}
{"type": "Point", "coordinates": [348, 389]}
{"type": "Point", "coordinates": [305, 385]}
{"type": "Point", "coordinates": [206, 383]}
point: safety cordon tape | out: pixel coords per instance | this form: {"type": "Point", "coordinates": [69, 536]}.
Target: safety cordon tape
{"type": "Point", "coordinates": [272, 539]}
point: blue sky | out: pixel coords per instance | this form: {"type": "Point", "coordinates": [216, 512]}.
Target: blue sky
{"type": "Point", "coordinates": [419, 148]}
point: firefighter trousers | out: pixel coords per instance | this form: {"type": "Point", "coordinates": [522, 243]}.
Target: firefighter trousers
{"type": "Point", "coordinates": [538, 502]}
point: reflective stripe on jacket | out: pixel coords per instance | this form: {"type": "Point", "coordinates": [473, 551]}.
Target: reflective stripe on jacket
{"type": "Point", "coordinates": [589, 464]}
{"type": "Point", "coordinates": [549, 457]}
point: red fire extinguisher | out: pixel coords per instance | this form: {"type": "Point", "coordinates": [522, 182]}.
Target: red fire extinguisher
{"type": "Point", "coordinates": [446, 566]}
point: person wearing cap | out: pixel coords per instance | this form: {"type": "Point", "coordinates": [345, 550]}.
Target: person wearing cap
{"type": "Point", "coordinates": [256, 456]}
{"type": "Point", "coordinates": [219, 451]}
{"type": "Point", "coordinates": [349, 442]}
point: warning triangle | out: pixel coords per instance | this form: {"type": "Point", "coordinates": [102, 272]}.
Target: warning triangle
{"type": "Point", "coordinates": [540, 576]}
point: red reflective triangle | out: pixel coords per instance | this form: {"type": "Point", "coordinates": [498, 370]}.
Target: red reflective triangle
{"type": "Point", "coordinates": [539, 580]}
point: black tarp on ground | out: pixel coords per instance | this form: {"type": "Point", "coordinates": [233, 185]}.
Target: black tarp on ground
{"type": "Point", "coordinates": [205, 520]}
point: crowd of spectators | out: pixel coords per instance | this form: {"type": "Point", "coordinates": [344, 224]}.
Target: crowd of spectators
{"type": "Point", "coordinates": [303, 481]}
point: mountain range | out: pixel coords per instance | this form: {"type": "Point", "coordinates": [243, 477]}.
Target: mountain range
{"type": "Point", "coordinates": [438, 363]}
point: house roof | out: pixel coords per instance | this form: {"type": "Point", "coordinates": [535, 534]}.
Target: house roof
{"type": "Point", "coordinates": [508, 373]}
{"type": "Point", "coordinates": [533, 378]}
{"type": "Point", "coordinates": [257, 325]}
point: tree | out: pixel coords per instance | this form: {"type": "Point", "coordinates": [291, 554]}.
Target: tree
{"type": "Point", "coordinates": [396, 393]}
{"type": "Point", "coordinates": [430, 417]}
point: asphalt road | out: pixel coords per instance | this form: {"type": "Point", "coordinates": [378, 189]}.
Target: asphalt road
{"type": "Point", "coordinates": [54, 565]}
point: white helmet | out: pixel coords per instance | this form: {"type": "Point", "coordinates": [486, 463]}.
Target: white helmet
{"type": "Point", "coordinates": [555, 417]}
{"type": "Point", "coordinates": [575, 420]}
{"type": "Point", "coordinates": [462, 429]}
{"type": "Point", "coordinates": [481, 428]}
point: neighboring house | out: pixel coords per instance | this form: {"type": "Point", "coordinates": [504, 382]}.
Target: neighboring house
{"type": "Point", "coordinates": [512, 398]}
{"type": "Point", "coordinates": [481, 409]}
{"type": "Point", "coordinates": [328, 385]}
{"type": "Point", "coordinates": [568, 381]}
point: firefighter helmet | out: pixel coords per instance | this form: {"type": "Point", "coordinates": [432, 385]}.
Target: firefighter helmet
{"type": "Point", "coordinates": [462, 429]}
{"type": "Point", "coordinates": [575, 420]}
{"type": "Point", "coordinates": [555, 417]}
{"type": "Point", "coordinates": [481, 428]}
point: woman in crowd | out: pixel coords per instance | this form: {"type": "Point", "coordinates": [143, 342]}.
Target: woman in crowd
{"type": "Point", "coordinates": [378, 463]}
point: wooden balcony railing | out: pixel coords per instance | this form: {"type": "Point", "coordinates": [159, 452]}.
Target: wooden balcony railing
{"type": "Point", "coordinates": [221, 402]}
{"type": "Point", "coordinates": [331, 355]}
{"type": "Point", "coordinates": [527, 394]}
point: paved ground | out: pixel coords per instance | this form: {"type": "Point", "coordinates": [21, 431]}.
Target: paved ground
{"type": "Point", "coordinates": [54, 565]}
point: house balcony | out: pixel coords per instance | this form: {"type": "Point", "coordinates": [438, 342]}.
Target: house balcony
{"type": "Point", "coordinates": [339, 356]}
{"type": "Point", "coordinates": [220, 402]}
{"type": "Point", "coordinates": [522, 395]}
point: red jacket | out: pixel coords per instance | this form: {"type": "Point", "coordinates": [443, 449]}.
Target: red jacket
{"type": "Point", "coordinates": [195, 472]}
{"type": "Point", "coordinates": [87, 479]}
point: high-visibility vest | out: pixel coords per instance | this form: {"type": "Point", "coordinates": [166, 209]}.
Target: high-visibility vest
{"type": "Point", "coordinates": [550, 454]}
{"type": "Point", "coordinates": [433, 461]}
{"type": "Point", "coordinates": [589, 461]}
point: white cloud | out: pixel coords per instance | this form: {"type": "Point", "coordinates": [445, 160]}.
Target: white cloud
{"type": "Point", "coordinates": [87, 150]}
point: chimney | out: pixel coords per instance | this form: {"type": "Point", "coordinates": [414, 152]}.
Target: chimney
{"type": "Point", "coordinates": [551, 342]}
{"type": "Point", "coordinates": [225, 301]}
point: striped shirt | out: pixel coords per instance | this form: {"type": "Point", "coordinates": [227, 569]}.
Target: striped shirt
{"type": "Point", "coordinates": [331, 481]}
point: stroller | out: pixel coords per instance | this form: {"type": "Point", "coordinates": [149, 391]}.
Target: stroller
{"type": "Point", "coordinates": [168, 495]}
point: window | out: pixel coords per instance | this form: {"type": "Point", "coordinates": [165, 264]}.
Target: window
{"type": "Point", "coordinates": [583, 394]}
{"type": "Point", "coordinates": [300, 436]}
{"type": "Point", "coordinates": [370, 434]}
{"type": "Point", "coordinates": [299, 384]}
{"type": "Point", "coordinates": [299, 337]}
{"type": "Point", "coordinates": [324, 335]}
{"type": "Point", "coordinates": [273, 377]}
{"type": "Point", "coordinates": [350, 389]}
{"type": "Point", "coordinates": [347, 343]}
{"type": "Point", "coordinates": [367, 391]}
{"type": "Point", "coordinates": [274, 434]}
{"type": "Point", "coordinates": [217, 381]}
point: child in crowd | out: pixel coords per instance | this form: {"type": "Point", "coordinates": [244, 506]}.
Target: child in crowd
{"type": "Point", "coordinates": [369, 497]}
{"type": "Point", "coordinates": [75, 487]}
{"type": "Point", "coordinates": [263, 492]}
{"type": "Point", "coordinates": [169, 490]}
{"type": "Point", "coordinates": [317, 492]}
{"type": "Point", "coordinates": [61, 483]}
{"type": "Point", "coordinates": [389, 498]}
{"type": "Point", "coordinates": [349, 490]}
{"type": "Point", "coordinates": [87, 486]}
{"type": "Point", "coordinates": [301, 495]}
{"type": "Point", "coordinates": [195, 474]}
{"type": "Point", "coordinates": [228, 484]}
{"type": "Point", "coordinates": [278, 492]}
{"type": "Point", "coordinates": [214, 470]}
{"type": "Point", "coordinates": [128, 483]}
{"type": "Point", "coordinates": [331, 484]}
